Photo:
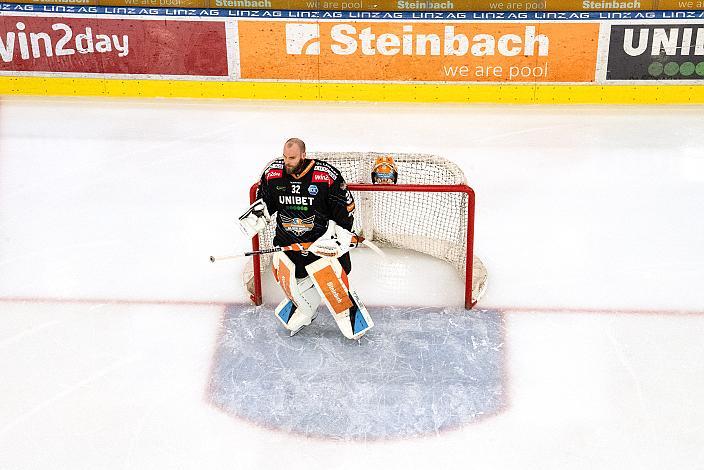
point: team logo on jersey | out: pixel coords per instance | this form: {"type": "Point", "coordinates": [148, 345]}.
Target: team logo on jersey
{"type": "Point", "coordinates": [298, 225]}
{"type": "Point", "coordinates": [313, 190]}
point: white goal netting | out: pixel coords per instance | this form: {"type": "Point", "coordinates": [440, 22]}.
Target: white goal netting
{"type": "Point", "coordinates": [434, 223]}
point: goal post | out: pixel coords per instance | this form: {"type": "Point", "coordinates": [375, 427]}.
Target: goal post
{"type": "Point", "coordinates": [431, 210]}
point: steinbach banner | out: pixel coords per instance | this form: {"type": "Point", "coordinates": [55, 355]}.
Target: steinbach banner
{"type": "Point", "coordinates": [418, 51]}
{"type": "Point", "coordinates": [113, 46]}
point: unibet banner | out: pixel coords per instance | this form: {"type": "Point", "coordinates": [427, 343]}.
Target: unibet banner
{"type": "Point", "coordinates": [656, 52]}
{"type": "Point", "coordinates": [415, 51]}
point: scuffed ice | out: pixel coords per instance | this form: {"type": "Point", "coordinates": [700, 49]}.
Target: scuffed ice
{"type": "Point", "coordinates": [419, 371]}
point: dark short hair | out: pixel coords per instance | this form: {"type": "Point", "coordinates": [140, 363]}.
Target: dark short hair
{"type": "Point", "coordinates": [297, 141]}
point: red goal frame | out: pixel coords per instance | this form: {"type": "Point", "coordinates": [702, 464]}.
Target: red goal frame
{"type": "Point", "coordinates": [257, 296]}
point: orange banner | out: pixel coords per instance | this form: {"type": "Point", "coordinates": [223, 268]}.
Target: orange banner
{"type": "Point", "coordinates": [680, 4]}
{"type": "Point", "coordinates": [445, 52]}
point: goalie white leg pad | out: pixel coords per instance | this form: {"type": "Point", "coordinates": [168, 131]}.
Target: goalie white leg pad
{"type": "Point", "coordinates": [349, 313]}
{"type": "Point", "coordinates": [300, 306]}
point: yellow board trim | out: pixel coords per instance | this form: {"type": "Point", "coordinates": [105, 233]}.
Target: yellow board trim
{"type": "Point", "coordinates": [372, 92]}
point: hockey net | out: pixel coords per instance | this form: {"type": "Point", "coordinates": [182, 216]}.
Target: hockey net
{"type": "Point", "coordinates": [430, 210]}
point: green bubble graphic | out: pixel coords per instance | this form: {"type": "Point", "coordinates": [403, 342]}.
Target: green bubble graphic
{"type": "Point", "coordinates": [655, 69]}
{"type": "Point", "coordinates": [700, 69]}
{"type": "Point", "coordinates": [687, 69]}
{"type": "Point", "coordinates": [671, 69]}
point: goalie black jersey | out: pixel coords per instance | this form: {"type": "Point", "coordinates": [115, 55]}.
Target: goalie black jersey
{"type": "Point", "coordinates": [305, 203]}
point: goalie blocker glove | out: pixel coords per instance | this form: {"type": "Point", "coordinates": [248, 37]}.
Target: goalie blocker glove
{"type": "Point", "coordinates": [335, 242]}
{"type": "Point", "coordinates": [255, 218]}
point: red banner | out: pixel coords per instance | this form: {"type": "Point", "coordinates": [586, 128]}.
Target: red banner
{"type": "Point", "coordinates": [109, 46]}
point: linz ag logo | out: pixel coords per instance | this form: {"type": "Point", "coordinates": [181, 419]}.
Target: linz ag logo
{"type": "Point", "coordinates": [656, 52]}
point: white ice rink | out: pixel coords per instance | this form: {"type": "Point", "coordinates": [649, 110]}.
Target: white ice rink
{"type": "Point", "coordinates": [589, 220]}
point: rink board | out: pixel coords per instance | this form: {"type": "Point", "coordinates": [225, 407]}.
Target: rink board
{"type": "Point", "coordinates": [500, 57]}
{"type": "Point", "coordinates": [371, 92]}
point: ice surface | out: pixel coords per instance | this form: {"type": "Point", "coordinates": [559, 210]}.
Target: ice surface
{"type": "Point", "coordinates": [111, 316]}
{"type": "Point", "coordinates": [418, 372]}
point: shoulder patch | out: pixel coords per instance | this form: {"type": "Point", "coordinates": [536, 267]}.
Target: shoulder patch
{"type": "Point", "coordinates": [325, 167]}
{"type": "Point", "coordinates": [277, 164]}
{"type": "Point", "coordinates": [275, 169]}
{"type": "Point", "coordinates": [322, 177]}
{"type": "Point", "coordinates": [274, 174]}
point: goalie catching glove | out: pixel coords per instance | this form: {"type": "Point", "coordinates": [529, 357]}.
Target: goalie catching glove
{"type": "Point", "coordinates": [255, 218]}
{"type": "Point", "coordinates": [335, 242]}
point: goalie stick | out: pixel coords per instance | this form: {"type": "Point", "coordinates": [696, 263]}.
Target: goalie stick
{"type": "Point", "coordinates": [294, 247]}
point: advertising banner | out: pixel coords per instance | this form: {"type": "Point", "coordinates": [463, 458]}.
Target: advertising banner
{"type": "Point", "coordinates": [432, 56]}
{"type": "Point", "coordinates": [112, 46]}
{"type": "Point", "coordinates": [395, 5]}
{"type": "Point", "coordinates": [444, 5]}
{"type": "Point", "coordinates": [656, 52]}
{"type": "Point", "coordinates": [418, 51]}
{"type": "Point", "coordinates": [680, 4]}
{"type": "Point", "coordinates": [175, 9]}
